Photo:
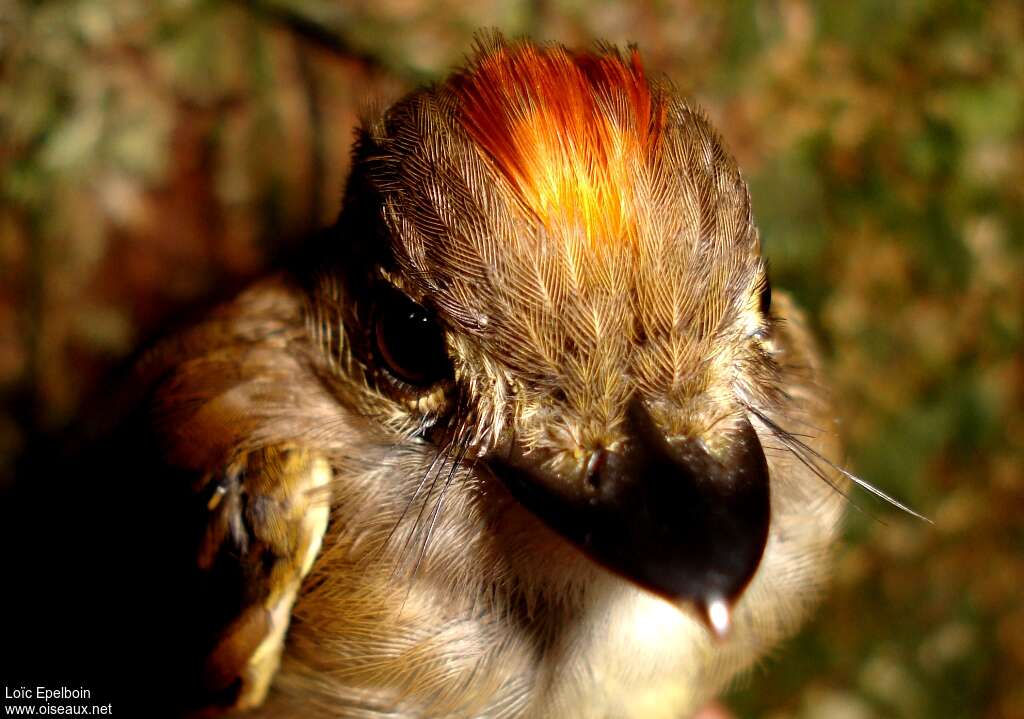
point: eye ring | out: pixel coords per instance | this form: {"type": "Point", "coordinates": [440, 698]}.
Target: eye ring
{"type": "Point", "coordinates": [408, 342]}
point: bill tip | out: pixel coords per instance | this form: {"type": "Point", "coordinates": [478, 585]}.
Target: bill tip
{"type": "Point", "coordinates": [718, 617]}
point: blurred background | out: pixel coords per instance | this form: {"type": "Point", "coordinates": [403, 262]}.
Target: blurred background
{"type": "Point", "coordinates": [153, 154]}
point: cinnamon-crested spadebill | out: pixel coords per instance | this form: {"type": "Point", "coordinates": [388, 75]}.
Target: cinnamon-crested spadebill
{"type": "Point", "coordinates": [529, 437]}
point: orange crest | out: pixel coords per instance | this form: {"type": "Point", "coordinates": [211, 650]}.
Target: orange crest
{"type": "Point", "coordinates": [568, 131]}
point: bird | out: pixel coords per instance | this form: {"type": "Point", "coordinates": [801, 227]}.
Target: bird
{"type": "Point", "coordinates": [525, 433]}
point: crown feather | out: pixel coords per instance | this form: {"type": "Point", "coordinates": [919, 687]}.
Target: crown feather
{"type": "Point", "coordinates": [569, 131]}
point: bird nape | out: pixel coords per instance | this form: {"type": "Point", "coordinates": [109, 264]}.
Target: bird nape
{"type": "Point", "coordinates": [525, 435]}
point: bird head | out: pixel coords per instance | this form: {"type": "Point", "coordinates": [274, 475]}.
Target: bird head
{"type": "Point", "coordinates": [547, 269]}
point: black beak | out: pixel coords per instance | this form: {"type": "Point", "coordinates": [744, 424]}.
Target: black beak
{"type": "Point", "coordinates": [675, 519]}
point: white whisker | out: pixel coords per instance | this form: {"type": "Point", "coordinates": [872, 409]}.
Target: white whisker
{"type": "Point", "coordinates": [799, 448]}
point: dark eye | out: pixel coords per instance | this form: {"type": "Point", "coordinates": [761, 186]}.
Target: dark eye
{"type": "Point", "coordinates": [766, 297]}
{"type": "Point", "coordinates": [409, 341]}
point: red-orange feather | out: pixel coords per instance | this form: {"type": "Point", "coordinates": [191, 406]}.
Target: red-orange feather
{"type": "Point", "coordinates": [569, 131]}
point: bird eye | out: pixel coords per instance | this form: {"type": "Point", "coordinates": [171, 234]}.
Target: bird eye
{"type": "Point", "coordinates": [765, 299]}
{"type": "Point", "coordinates": [409, 341]}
